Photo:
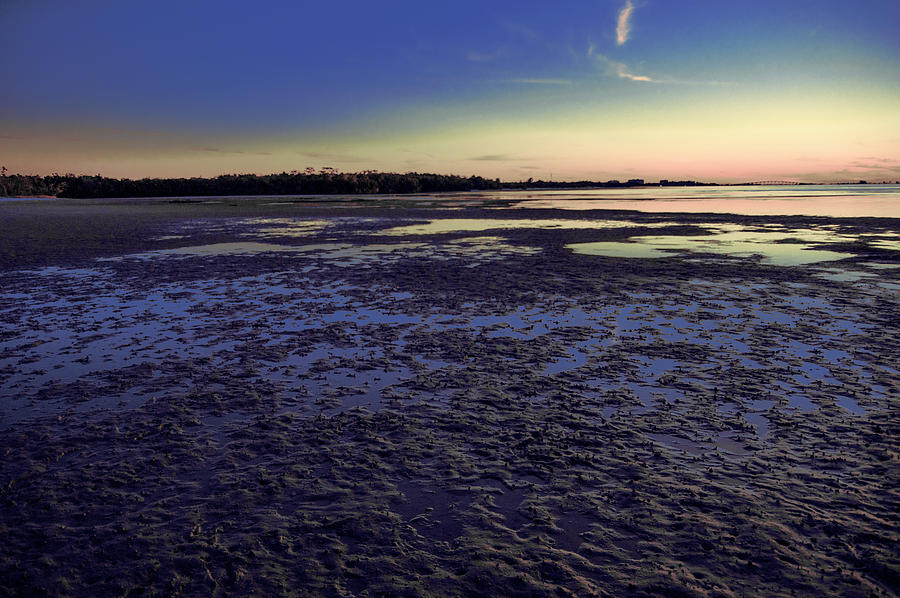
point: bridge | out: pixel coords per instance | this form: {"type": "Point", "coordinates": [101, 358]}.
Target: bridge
{"type": "Point", "coordinates": [775, 183]}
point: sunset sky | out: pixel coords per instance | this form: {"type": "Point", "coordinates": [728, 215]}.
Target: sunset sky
{"type": "Point", "coordinates": [701, 89]}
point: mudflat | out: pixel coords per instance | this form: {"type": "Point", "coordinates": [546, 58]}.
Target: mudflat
{"type": "Point", "coordinates": [363, 398]}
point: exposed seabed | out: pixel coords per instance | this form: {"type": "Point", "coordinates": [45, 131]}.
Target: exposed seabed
{"type": "Point", "coordinates": [278, 400]}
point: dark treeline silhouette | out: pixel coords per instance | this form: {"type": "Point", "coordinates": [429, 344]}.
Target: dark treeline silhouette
{"type": "Point", "coordinates": [324, 182]}
{"type": "Point", "coordinates": [19, 185]}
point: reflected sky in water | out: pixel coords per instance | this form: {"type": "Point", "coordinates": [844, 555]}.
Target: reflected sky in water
{"type": "Point", "coordinates": [752, 200]}
{"type": "Point", "coordinates": [728, 240]}
{"type": "Point", "coordinates": [452, 225]}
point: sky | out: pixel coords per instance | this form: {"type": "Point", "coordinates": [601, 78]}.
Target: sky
{"type": "Point", "coordinates": [727, 91]}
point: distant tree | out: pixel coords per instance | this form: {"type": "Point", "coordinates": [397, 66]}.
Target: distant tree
{"type": "Point", "coordinates": [327, 181]}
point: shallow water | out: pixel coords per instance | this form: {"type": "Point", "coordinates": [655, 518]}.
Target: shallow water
{"type": "Point", "coordinates": [789, 247]}
{"type": "Point", "coordinates": [839, 201]}
{"type": "Point", "coordinates": [452, 225]}
{"type": "Point", "coordinates": [476, 249]}
{"type": "Point", "coordinates": [775, 244]}
{"type": "Point", "coordinates": [2, 198]}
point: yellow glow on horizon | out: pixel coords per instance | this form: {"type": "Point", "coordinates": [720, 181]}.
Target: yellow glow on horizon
{"type": "Point", "coordinates": [721, 135]}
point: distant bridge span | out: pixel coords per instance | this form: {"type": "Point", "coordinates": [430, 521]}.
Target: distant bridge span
{"type": "Point", "coordinates": [775, 183]}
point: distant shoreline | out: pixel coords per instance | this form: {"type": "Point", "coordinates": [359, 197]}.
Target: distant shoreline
{"type": "Point", "coordinates": [323, 182]}
{"type": "Point", "coordinates": [334, 196]}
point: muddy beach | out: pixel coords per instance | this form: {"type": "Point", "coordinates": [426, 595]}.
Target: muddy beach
{"type": "Point", "coordinates": [449, 398]}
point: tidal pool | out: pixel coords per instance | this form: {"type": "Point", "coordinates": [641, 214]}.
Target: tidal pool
{"type": "Point", "coordinates": [844, 275]}
{"type": "Point", "coordinates": [453, 225]}
{"type": "Point", "coordinates": [476, 249]}
{"type": "Point", "coordinates": [886, 244]}
{"type": "Point", "coordinates": [787, 248]}
{"type": "Point", "coordinates": [284, 227]}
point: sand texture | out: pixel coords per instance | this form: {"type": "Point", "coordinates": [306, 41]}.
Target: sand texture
{"type": "Point", "coordinates": [275, 398]}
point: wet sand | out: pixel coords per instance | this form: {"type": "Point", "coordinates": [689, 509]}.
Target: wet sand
{"type": "Point", "coordinates": [266, 397]}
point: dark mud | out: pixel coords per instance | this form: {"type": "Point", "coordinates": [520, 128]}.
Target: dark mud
{"type": "Point", "coordinates": [312, 405]}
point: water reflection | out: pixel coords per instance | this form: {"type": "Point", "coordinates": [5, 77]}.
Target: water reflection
{"type": "Point", "coordinates": [626, 249]}
{"type": "Point", "coordinates": [284, 227]}
{"type": "Point", "coordinates": [452, 225]}
{"type": "Point", "coordinates": [756, 200]}
{"type": "Point", "coordinates": [784, 248]}
{"type": "Point", "coordinates": [475, 249]}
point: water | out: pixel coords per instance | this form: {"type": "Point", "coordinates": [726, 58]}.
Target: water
{"type": "Point", "coordinates": [839, 201]}
{"type": "Point", "coordinates": [775, 244]}
{"type": "Point", "coordinates": [25, 198]}
{"type": "Point", "coordinates": [844, 201]}
{"type": "Point", "coordinates": [452, 225]}
{"type": "Point", "coordinates": [779, 248]}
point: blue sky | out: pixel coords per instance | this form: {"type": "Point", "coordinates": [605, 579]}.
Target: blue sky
{"type": "Point", "coordinates": [605, 89]}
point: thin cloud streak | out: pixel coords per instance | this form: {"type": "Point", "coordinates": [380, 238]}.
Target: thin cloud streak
{"type": "Point", "coordinates": [621, 70]}
{"type": "Point", "coordinates": [494, 158]}
{"type": "Point", "coordinates": [219, 150]}
{"type": "Point", "coordinates": [333, 156]}
{"type": "Point", "coordinates": [623, 25]}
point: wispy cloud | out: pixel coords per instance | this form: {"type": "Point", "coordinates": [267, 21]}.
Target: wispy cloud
{"type": "Point", "coordinates": [878, 160]}
{"type": "Point", "coordinates": [621, 70]}
{"type": "Point", "coordinates": [848, 174]}
{"type": "Point", "coordinates": [623, 24]}
{"type": "Point", "coordinates": [219, 150]}
{"type": "Point", "coordinates": [333, 156]}
{"type": "Point", "coordinates": [877, 164]}
{"type": "Point", "coordinates": [418, 153]}
{"type": "Point", "coordinates": [527, 81]}
{"type": "Point", "coordinates": [493, 158]}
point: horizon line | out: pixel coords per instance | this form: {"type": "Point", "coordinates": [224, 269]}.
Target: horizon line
{"type": "Point", "coordinates": [631, 181]}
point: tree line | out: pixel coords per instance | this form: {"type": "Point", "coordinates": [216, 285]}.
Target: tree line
{"type": "Point", "coordinates": [322, 182]}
